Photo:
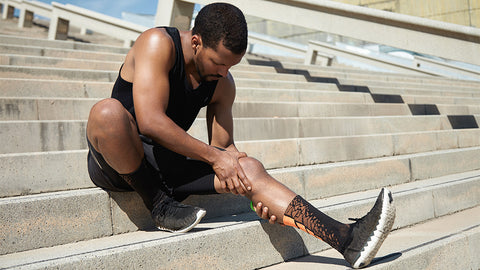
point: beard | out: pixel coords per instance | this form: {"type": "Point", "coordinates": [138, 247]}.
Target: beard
{"type": "Point", "coordinates": [206, 77]}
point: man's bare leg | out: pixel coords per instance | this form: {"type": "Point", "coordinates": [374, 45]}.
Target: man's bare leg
{"type": "Point", "coordinates": [358, 242]}
{"type": "Point", "coordinates": [277, 198]}
{"type": "Point", "coordinates": [112, 131]}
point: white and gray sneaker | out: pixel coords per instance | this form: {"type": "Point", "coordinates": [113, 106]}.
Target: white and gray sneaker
{"type": "Point", "coordinates": [367, 233]}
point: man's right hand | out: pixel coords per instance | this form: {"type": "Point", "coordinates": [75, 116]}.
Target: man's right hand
{"type": "Point", "coordinates": [230, 173]}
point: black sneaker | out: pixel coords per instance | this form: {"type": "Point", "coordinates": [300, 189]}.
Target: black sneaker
{"type": "Point", "coordinates": [367, 233]}
{"type": "Point", "coordinates": [172, 216]}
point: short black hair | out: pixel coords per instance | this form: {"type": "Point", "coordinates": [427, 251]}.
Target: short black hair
{"type": "Point", "coordinates": [222, 21]}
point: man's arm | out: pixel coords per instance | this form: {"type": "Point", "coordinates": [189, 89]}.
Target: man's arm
{"type": "Point", "coordinates": [153, 58]}
{"type": "Point", "coordinates": [219, 115]}
{"type": "Point", "coordinates": [152, 61]}
{"type": "Point", "coordinates": [220, 119]}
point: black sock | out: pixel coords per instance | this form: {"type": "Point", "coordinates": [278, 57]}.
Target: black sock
{"type": "Point", "coordinates": [303, 215]}
{"type": "Point", "coordinates": [147, 183]}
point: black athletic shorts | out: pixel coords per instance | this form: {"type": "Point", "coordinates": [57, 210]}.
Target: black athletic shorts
{"type": "Point", "coordinates": [181, 176]}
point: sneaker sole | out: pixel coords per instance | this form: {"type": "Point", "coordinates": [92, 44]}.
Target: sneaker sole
{"type": "Point", "coordinates": [387, 217]}
{"type": "Point", "coordinates": [200, 214]}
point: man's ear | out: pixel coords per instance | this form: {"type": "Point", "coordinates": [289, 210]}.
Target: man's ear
{"type": "Point", "coordinates": [196, 42]}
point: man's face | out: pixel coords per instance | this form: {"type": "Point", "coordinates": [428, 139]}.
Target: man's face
{"type": "Point", "coordinates": [214, 64]}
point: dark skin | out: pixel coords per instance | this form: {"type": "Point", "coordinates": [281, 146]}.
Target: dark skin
{"type": "Point", "coordinates": [113, 132]}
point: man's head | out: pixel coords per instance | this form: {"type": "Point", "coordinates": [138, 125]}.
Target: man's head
{"type": "Point", "coordinates": [222, 22]}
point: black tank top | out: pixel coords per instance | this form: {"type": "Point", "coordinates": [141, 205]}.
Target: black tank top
{"type": "Point", "coordinates": [184, 102]}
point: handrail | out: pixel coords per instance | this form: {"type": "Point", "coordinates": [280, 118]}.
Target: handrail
{"type": "Point", "coordinates": [7, 11]}
{"type": "Point", "coordinates": [390, 18]}
{"type": "Point", "coordinates": [286, 46]}
{"type": "Point", "coordinates": [364, 58]}
{"type": "Point", "coordinates": [95, 21]}
{"type": "Point", "coordinates": [29, 8]}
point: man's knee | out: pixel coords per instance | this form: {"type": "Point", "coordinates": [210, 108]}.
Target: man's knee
{"type": "Point", "coordinates": [108, 116]}
{"type": "Point", "coordinates": [106, 109]}
{"type": "Point", "coordinates": [251, 166]}
{"type": "Point", "coordinates": [108, 112]}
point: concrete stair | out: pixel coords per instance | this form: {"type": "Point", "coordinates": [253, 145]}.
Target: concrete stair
{"type": "Point", "coordinates": [333, 135]}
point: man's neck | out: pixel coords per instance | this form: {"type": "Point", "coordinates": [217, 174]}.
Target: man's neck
{"type": "Point", "coordinates": [191, 72]}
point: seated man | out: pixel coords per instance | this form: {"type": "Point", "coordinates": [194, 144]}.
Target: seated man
{"type": "Point", "coordinates": [138, 140]}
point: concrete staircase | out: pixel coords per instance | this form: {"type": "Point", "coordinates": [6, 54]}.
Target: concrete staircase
{"type": "Point", "coordinates": [333, 135]}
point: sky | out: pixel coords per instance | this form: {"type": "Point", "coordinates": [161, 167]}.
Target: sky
{"type": "Point", "coordinates": [113, 8]}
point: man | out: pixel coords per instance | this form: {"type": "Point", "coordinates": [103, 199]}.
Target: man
{"type": "Point", "coordinates": [138, 140]}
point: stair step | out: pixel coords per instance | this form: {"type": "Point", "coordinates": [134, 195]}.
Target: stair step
{"type": "Point", "coordinates": [30, 88]}
{"type": "Point", "coordinates": [57, 73]}
{"type": "Point", "coordinates": [355, 73]}
{"type": "Point", "coordinates": [61, 53]}
{"type": "Point", "coordinates": [58, 44]}
{"type": "Point", "coordinates": [44, 108]}
{"type": "Point", "coordinates": [57, 135]}
{"type": "Point", "coordinates": [79, 108]}
{"type": "Point", "coordinates": [57, 62]}
{"type": "Point", "coordinates": [30, 173]}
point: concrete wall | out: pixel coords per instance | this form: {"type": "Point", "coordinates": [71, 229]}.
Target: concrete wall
{"type": "Point", "coordinates": [463, 12]}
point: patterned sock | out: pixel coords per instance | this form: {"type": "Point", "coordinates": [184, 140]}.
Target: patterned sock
{"type": "Point", "coordinates": [301, 214]}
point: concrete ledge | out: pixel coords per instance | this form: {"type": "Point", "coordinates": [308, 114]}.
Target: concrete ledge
{"type": "Point", "coordinates": [69, 134]}
{"type": "Point", "coordinates": [59, 44]}
{"type": "Point", "coordinates": [326, 180]}
{"type": "Point", "coordinates": [418, 91]}
{"type": "Point", "coordinates": [53, 219]}
{"type": "Point", "coordinates": [289, 95]}
{"type": "Point", "coordinates": [32, 173]}
{"type": "Point", "coordinates": [313, 109]}
{"type": "Point", "coordinates": [422, 99]}
{"type": "Point", "coordinates": [427, 166]}
{"type": "Point", "coordinates": [31, 88]}
{"type": "Point", "coordinates": [37, 42]}
{"type": "Point", "coordinates": [263, 83]}
{"type": "Point", "coordinates": [60, 53]}
{"type": "Point", "coordinates": [433, 85]}
{"type": "Point", "coordinates": [258, 75]}
{"type": "Point", "coordinates": [79, 108]}
{"type": "Point", "coordinates": [37, 136]}
{"type": "Point", "coordinates": [57, 74]}
{"type": "Point", "coordinates": [360, 74]}
{"type": "Point", "coordinates": [45, 109]}
{"type": "Point", "coordinates": [56, 62]}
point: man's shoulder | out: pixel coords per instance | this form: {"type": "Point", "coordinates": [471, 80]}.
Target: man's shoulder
{"type": "Point", "coordinates": [154, 43]}
{"type": "Point", "coordinates": [153, 36]}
